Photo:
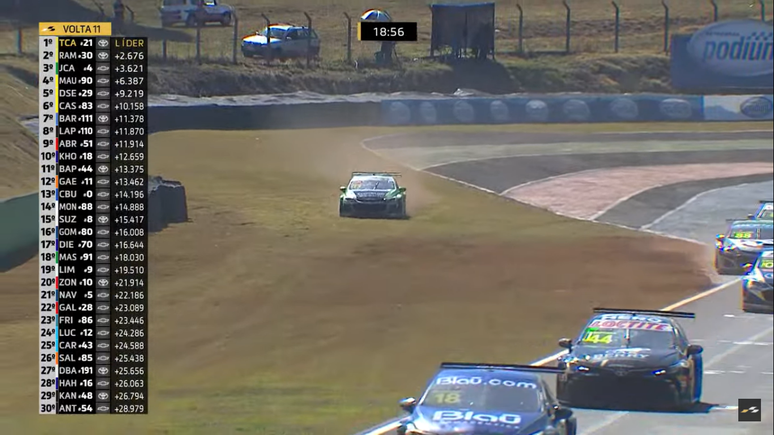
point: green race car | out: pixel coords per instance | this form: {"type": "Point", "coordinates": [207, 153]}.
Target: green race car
{"type": "Point", "coordinates": [373, 194]}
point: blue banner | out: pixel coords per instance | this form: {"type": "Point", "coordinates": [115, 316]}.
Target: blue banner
{"type": "Point", "coordinates": [543, 109]}
{"type": "Point", "coordinates": [724, 55]}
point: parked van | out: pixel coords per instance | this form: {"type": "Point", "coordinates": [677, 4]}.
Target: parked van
{"type": "Point", "coordinates": [188, 12]}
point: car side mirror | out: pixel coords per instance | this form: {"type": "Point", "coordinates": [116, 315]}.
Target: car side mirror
{"type": "Point", "coordinates": [695, 349]}
{"type": "Point", "coordinates": [751, 216]}
{"type": "Point", "coordinates": [561, 413]}
{"type": "Point", "coordinates": [720, 237]}
{"type": "Point", "coordinates": [408, 404]}
{"type": "Point", "coordinates": [402, 189]}
{"type": "Point", "coordinates": [565, 343]}
{"type": "Point", "coordinates": [343, 189]}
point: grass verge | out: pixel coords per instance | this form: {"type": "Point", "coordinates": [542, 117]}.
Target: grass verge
{"type": "Point", "coordinates": [271, 315]}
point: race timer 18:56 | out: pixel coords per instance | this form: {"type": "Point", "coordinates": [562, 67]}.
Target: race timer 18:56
{"type": "Point", "coordinates": [386, 31]}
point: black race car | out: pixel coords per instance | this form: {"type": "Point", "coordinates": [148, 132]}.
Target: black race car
{"type": "Point", "coordinates": [478, 399]}
{"type": "Point", "coordinates": [742, 243]}
{"type": "Point", "coordinates": [631, 357]}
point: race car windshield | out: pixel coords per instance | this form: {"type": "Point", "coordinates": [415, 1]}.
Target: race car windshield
{"type": "Point", "coordinates": [767, 214]}
{"type": "Point", "coordinates": [372, 184]}
{"type": "Point", "coordinates": [618, 338]}
{"type": "Point", "coordinates": [752, 233]}
{"type": "Point", "coordinates": [505, 396]}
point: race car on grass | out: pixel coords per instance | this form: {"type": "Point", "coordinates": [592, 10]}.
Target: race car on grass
{"type": "Point", "coordinates": [631, 357]}
{"type": "Point", "coordinates": [765, 211]}
{"type": "Point", "coordinates": [473, 399]}
{"type": "Point", "coordinates": [373, 194]}
{"type": "Point", "coordinates": [742, 243]}
{"type": "Point", "coordinates": [758, 284]}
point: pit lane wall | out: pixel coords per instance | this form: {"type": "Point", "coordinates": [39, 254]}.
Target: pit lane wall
{"type": "Point", "coordinates": [18, 229]}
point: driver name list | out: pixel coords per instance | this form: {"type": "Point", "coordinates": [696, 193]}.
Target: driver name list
{"type": "Point", "coordinates": [93, 248]}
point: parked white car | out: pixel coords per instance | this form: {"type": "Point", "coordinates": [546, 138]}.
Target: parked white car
{"type": "Point", "coordinates": [284, 40]}
{"type": "Point", "coordinates": [187, 12]}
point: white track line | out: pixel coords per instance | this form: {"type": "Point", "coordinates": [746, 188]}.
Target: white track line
{"type": "Point", "coordinates": [686, 204]}
{"type": "Point", "coordinates": [392, 426]}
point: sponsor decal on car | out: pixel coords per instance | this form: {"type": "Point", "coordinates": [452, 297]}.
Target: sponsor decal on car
{"type": "Point", "coordinates": [633, 353]}
{"type": "Point", "coordinates": [477, 417]}
{"type": "Point", "coordinates": [630, 324]}
{"type": "Point", "coordinates": [477, 380]}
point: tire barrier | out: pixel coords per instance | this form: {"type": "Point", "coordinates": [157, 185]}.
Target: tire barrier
{"type": "Point", "coordinates": [544, 109]}
{"type": "Point", "coordinates": [167, 203]}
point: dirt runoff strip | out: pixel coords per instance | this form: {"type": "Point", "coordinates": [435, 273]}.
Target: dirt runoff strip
{"type": "Point", "coordinates": [589, 194]}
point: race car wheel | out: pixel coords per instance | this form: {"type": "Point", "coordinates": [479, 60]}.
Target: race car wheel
{"type": "Point", "coordinates": [697, 381]}
{"type": "Point", "coordinates": [342, 213]}
{"type": "Point", "coordinates": [402, 209]}
{"type": "Point", "coordinates": [225, 20]}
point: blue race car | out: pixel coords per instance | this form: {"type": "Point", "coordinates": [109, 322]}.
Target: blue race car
{"type": "Point", "coordinates": [765, 211]}
{"type": "Point", "coordinates": [757, 284]}
{"type": "Point", "coordinates": [473, 399]}
{"type": "Point", "coordinates": [631, 357]}
{"type": "Point", "coordinates": [742, 243]}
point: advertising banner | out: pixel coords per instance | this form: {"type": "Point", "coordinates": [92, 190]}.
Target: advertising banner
{"type": "Point", "coordinates": [738, 108]}
{"type": "Point", "coordinates": [543, 109]}
{"type": "Point", "coordinates": [724, 55]}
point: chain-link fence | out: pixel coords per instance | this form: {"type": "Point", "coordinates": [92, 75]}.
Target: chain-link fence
{"type": "Point", "coordinates": [616, 30]}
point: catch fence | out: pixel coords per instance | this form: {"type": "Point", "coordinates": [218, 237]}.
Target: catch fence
{"type": "Point", "coordinates": [615, 30]}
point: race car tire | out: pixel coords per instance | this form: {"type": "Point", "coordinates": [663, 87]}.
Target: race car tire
{"type": "Point", "coordinates": [698, 380]}
{"type": "Point", "coordinates": [225, 20]}
{"type": "Point", "coordinates": [402, 209]}
{"type": "Point", "coordinates": [572, 426]}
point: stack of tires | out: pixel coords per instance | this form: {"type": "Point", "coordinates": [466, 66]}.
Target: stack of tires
{"type": "Point", "coordinates": [167, 203]}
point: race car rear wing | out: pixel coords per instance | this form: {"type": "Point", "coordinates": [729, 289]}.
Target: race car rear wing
{"type": "Point", "coordinates": [679, 314]}
{"type": "Point", "coordinates": [393, 174]}
{"type": "Point", "coordinates": [514, 367]}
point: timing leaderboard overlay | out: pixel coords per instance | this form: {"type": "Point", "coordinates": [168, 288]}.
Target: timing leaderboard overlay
{"type": "Point", "coordinates": [93, 221]}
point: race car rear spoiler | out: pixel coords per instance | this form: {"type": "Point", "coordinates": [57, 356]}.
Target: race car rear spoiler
{"type": "Point", "coordinates": [394, 174]}
{"type": "Point", "coordinates": [514, 367]}
{"type": "Point", "coordinates": [680, 314]}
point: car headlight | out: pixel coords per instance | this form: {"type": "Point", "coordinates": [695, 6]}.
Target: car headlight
{"type": "Point", "coordinates": [349, 196]}
{"type": "Point", "coordinates": [730, 248]}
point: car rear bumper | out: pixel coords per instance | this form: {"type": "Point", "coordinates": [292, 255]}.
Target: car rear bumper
{"type": "Point", "coordinates": [630, 389]}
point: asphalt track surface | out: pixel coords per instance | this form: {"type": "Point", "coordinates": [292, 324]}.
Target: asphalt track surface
{"type": "Point", "coordinates": [739, 347]}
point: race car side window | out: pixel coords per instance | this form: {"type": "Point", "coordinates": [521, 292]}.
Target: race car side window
{"type": "Point", "coordinates": [682, 340]}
